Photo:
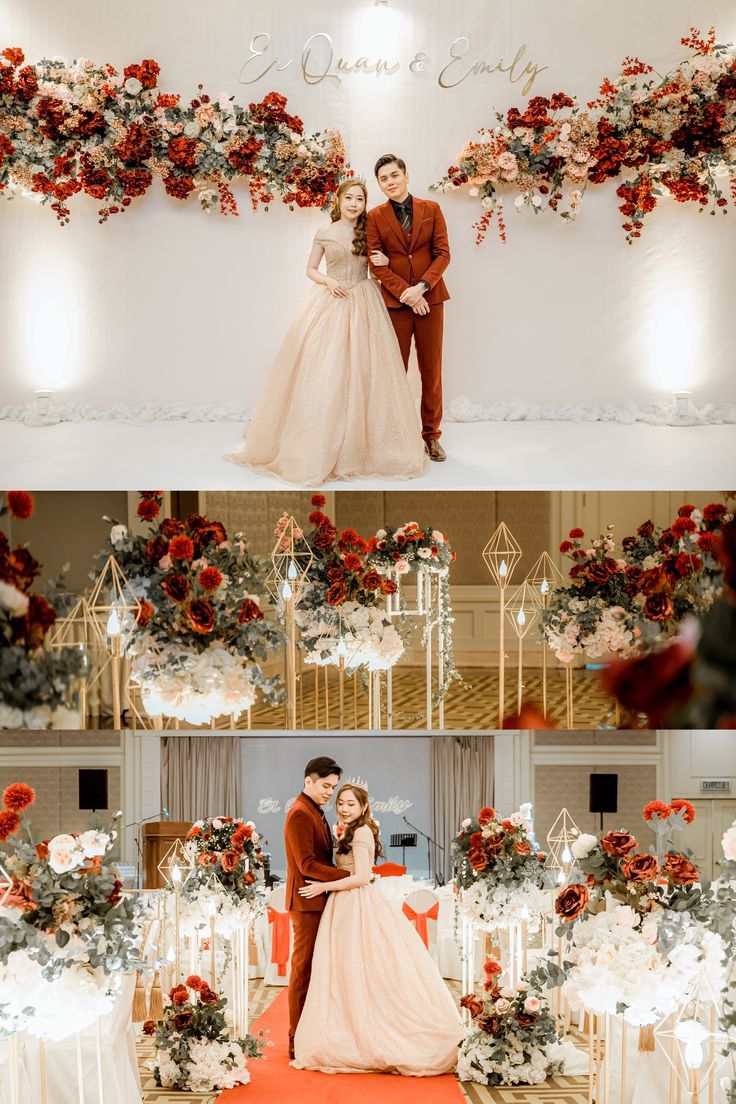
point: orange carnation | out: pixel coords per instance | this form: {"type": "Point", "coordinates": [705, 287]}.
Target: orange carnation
{"type": "Point", "coordinates": [18, 797]}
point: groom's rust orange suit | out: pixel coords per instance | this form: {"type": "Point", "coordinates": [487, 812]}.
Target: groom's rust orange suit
{"type": "Point", "coordinates": [423, 254]}
{"type": "Point", "coordinates": [308, 844]}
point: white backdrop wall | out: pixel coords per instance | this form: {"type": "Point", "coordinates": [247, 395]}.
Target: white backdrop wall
{"type": "Point", "coordinates": [168, 305]}
{"type": "Point", "coordinates": [397, 772]}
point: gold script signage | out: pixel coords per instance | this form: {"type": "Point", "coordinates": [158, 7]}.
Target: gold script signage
{"type": "Point", "coordinates": [319, 61]}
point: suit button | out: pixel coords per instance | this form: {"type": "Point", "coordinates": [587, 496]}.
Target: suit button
{"type": "Point", "coordinates": [410, 257]}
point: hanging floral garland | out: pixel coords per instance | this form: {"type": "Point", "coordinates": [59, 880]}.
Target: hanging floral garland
{"type": "Point", "coordinates": [86, 128]}
{"type": "Point", "coordinates": [672, 135]}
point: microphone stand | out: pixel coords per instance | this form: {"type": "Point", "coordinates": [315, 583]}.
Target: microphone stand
{"type": "Point", "coordinates": [430, 842]}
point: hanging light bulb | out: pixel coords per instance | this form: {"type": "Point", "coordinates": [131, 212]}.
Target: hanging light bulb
{"type": "Point", "coordinates": [503, 569]}
{"type": "Point", "coordinates": [175, 873]}
{"type": "Point", "coordinates": [567, 856]}
{"type": "Point", "coordinates": [544, 587]}
{"type": "Point", "coordinates": [292, 573]}
{"type": "Point", "coordinates": [561, 877]}
{"type": "Point", "coordinates": [521, 618]}
{"type": "Point", "coordinates": [693, 1035]}
{"type": "Point", "coordinates": [341, 650]}
{"type": "Point", "coordinates": [171, 955]}
{"type": "Point", "coordinates": [286, 592]}
{"type": "Point", "coordinates": [113, 622]}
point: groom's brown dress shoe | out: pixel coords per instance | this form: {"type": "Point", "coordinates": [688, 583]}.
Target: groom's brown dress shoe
{"type": "Point", "coordinates": [435, 451]}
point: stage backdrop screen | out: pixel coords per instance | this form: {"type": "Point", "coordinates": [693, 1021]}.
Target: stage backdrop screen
{"type": "Point", "coordinates": [397, 773]}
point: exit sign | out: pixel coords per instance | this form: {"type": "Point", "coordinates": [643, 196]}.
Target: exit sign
{"type": "Point", "coordinates": [715, 785]}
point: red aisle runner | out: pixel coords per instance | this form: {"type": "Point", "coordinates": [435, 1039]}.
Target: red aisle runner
{"type": "Point", "coordinates": [273, 1081]}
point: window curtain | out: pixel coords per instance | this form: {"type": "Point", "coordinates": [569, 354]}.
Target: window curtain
{"type": "Point", "coordinates": [462, 783]}
{"type": "Point", "coordinates": [201, 776]}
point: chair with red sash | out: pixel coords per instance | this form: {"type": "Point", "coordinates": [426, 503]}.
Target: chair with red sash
{"type": "Point", "coordinates": [279, 947]}
{"type": "Point", "coordinates": [422, 909]}
{"type": "Point", "coordinates": [389, 870]}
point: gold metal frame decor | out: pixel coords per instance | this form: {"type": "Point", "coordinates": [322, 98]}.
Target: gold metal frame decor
{"type": "Point", "coordinates": [175, 868]}
{"type": "Point", "coordinates": [543, 576]}
{"type": "Point", "coordinates": [291, 560]}
{"type": "Point", "coordinates": [522, 613]}
{"type": "Point", "coordinates": [560, 839]}
{"type": "Point", "coordinates": [501, 555]}
{"type": "Point", "coordinates": [692, 1048]}
{"type": "Point", "coordinates": [113, 608]}
{"type": "Point", "coordinates": [75, 633]}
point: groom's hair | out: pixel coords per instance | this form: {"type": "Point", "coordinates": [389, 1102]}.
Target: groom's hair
{"type": "Point", "coordinates": [322, 767]}
{"type": "Point", "coordinates": [388, 159]}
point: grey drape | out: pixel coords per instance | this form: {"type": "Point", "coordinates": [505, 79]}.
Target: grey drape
{"type": "Point", "coordinates": [462, 783]}
{"type": "Point", "coordinates": [201, 776]}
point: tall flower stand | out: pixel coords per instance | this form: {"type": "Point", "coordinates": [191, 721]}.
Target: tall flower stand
{"type": "Point", "coordinates": [432, 607]}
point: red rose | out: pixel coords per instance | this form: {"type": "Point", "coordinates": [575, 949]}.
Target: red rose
{"type": "Point", "coordinates": [634, 575]}
{"type": "Point", "coordinates": [640, 868]}
{"type": "Point", "coordinates": [477, 859]}
{"type": "Point", "coordinates": [149, 1027]}
{"type": "Point", "coordinates": [494, 844]}
{"type": "Point", "coordinates": [486, 815]}
{"type": "Point", "coordinates": [179, 994]}
{"type": "Point", "coordinates": [317, 518]}
{"type": "Point", "coordinates": [206, 858]}
{"type": "Point", "coordinates": [9, 825]}
{"type": "Point", "coordinates": [566, 547]}
{"type": "Point", "coordinates": [181, 548]}
{"type": "Point", "coordinates": [201, 616]}
{"type": "Point", "coordinates": [522, 847]}
{"type": "Point", "coordinates": [229, 860]}
{"type": "Point", "coordinates": [686, 511]}
{"type": "Point", "coordinates": [598, 573]}
{"type": "Point", "coordinates": [18, 797]}
{"type": "Point", "coordinates": [491, 968]}
{"type": "Point", "coordinates": [658, 607]}
{"type": "Point", "coordinates": [171, 527]}
{"type": "Point", "coordinates": [680, 805]}
{"type": "Point", "coordinates": [335, 572]}
{"type": "Point", "coordinates": [473, 1005]}
{"type": "Point", "coordinates": [182, 1020]}
{"type": "Point", "coordinates": [148, 509]}
{"type": "Point", "coordinates": [653, 684]}
{"type": "Point", "coordinates": [175, 587]}
{"type": "Point", "coordinates": [654, 581]}
{"type": "Point", "coordinates": [156, 549]}
{"type": "Point", "coordinates": [20, 568]}
{"type": "Point", "coordinates": [388, 586]}
{"type": "Point", "coordinates": [211, 532]}
{"type": "Point", "coordinates": [179, 187]}
{"type": "Point", "coordinates": [680, 870]}
{"type": "Point", "coordinates": [40, 617]}
{"type": "Point", "coordinates": [325, 538]}
{"type": "Point", "coordinates": [572, 902]}
{"type": "Point", "coordinates": [336, 594]}
{"type": "Point", "coordinates": [646, 529]}
{"type": "Point", "coordinates": [526, 1019]}
{"type": "Point", "coordinates": [210, 578]}
{"type": "Point", "coordinates": [618, 843]}
{"type": "Point", "coordinates": [372, 580]}
{"type": "Point", "coordinates": [576, 534]}
{"type": "Point", "coordinates": [207, 995]}
{"type": "Point", "coordinates": [249, 611]}
{"type": "Point", "coordinates": [20, 504]}
{"type": "Point", "coordinates": [144, 614]}
{"type": "Point", "coordinates": [714, 511]}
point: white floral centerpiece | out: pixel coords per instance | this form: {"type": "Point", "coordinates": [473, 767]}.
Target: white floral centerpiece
{"type": "Point", "coordinates": [500, 872]}
{"type": "Point", "coordinates": [67, 934]}
{"type": "Point", "coordinates": [226, 856]}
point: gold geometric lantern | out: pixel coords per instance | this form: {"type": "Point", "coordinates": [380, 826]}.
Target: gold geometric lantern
{"type": "Point", "coordinates": [6, 885]}
{"type": "Point", "coordinates": [291, 560]}
{"type": "Point", "coordinates": [175, 868]}
{"type": "Point", "coordinates": [560, 838]}
{"type": "Point", "coordinates": [544, 576]}
{"type": "Point", "coordinates": [75, 632]}
{"type": "Point", "coordinates": [501, 555]}
{"type": "Point", "coordinates": [693, 1045]}
{"type": "Point", "coordinates": [522, 614]}
{"type": "Point", "coordinates": [113, 611]}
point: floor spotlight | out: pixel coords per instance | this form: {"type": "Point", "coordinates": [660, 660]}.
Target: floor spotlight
{"type": "Point", "coordinates": [684, 411]}
{"type": "Point", "coordinates": [43, 402]}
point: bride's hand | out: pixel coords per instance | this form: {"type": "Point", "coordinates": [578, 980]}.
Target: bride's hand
{"type": "Point", "coordinates": [379, 260]}
{"type": "Point", "coordinates": [313, 889]}
{"type": "Point", "coordinates": [335, 289]}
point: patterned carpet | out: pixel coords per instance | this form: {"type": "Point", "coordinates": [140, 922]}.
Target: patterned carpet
{"type": "Point", "coordinates": [559, 1090]}
{"type": "Point", "coordinates": [471, 709]}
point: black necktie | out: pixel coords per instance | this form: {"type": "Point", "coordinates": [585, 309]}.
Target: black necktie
{"type": "Point", "coordinates": [405, 216]}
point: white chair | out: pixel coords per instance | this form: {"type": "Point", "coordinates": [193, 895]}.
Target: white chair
{"type": "Point", "coordinates": [278, 973]}
{"type": "Point", "coordinates": [422, 909]}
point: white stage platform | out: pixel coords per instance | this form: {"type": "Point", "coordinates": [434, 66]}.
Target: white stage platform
{"type": "Point", "coordinates": [481, 456]}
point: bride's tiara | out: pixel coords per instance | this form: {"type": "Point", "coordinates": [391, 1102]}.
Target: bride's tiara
{"type": "Point", "coordinates": [352, 180]}
{"type": "Point", "coordinates": [352, 780]}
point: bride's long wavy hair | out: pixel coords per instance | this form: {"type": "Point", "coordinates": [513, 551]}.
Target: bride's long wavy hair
{"type": "Point", "coordinates": [366, 817]}
{"type": "Point", "coordinates": [360, 237]}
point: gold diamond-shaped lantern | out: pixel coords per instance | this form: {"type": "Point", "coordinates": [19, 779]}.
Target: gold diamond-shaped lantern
{"type": "Point", "coordinates": [113, 609]}
{"type": "Point", "coordinates": [521, 610]}
{"type": "Point", "coordinates": [73, 631]}
{"type": "Point", "coordinates": [693, 1044]}
{"type": "Point", "coordinates": [291, 560]}
{"type": "Point", "coordinates": [560, 860]}
{"type": "Point", "coordinates": [177, 865]}
{"type": "Point", "coordinates": [543, 577]}
{"type": "Point", "coordinates": [501, 555]}
{"type": "Point", "coordinates": [6, 885]}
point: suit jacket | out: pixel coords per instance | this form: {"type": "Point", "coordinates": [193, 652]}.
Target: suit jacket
{"type": "Point", "coordinates": [308, 843]}
{"type": "Point", "coordinates": [423, 255]}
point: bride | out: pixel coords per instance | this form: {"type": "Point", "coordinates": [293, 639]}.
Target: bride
{"type": "Point", "coordinates": [376, 1001]}
{"type": "Point", "coordinates": [337, 403]}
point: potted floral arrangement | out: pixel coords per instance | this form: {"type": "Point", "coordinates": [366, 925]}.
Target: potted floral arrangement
{"type": "Point", "coordinates": [513, 1038]}
{"type": "Point", "coordinates": [67, 933]}
{"type": "Point", "coordinates": [200, 633]}
{"type": "Point", "coordinates": [37, 684]}
{"type": "Point", "coordinates": [642, 930]}
{"type": "Point", "coordinates": [194, 1050]}
{"type": "Point", "coordinates": [499, 871]}
{"type": "Point", "coordinates": [340, 615]}
{"type": "Point", "coordinates": [226, 856]}
{"type": "Point", "coordinates": [623, 605]}
{"type": "Point", "coordinates": [86, 127]}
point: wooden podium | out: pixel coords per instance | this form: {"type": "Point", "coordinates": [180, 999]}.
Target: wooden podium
{"type": "Point", "coordinates": [158, 836]}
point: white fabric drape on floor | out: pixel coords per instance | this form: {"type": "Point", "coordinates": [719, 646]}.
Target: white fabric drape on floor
{"type": "Point", "coordinates": [462, 783]}
{"type": "Point", "coordinates": [201, 776]}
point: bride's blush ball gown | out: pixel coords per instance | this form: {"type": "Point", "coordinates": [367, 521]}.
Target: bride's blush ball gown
{"type": "Point", "coordinates": [337, 403]}
{"type": "Point", "coordinates": [376, 1001]}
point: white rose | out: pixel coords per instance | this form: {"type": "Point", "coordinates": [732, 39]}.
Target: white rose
{"type": "Point", "coordinates": [583, 845]}
{"type": "Point", "coordinates": [502, 1005]}
{"type": "Point", "coordinates": [437, 537]}
{"type": "Point", "coordinates": [532, 1004]}
{"type": "Point", "coordinates": [402, 566]}
{"type": "Point", "coordinates": [13, 600]}
{"type": "Point", "coordinates": [118, 534]}
{"type": "Point", "coordinates": [466, 823]}
{"type": "Point", "coordinates": [133, 86]}
{"type": "Point", "coordinates": [729, 843]}
{"type": "Point", "coordinates": [473, 192]}
{"type": "Point", "coordinates": [381, 534]}
{"type": "Point", "coordinates": [63, 859]}
{"type": "Point", "coordinates": [93, 843]}
{"type": "Point", "coordinates": [218, 822]}
{"type": "Point", "coordinates": [519, 202]}
{"type": "Point", "coordinates": [536, 201]}
{"type": "Point", "coordinates": [192, 130]}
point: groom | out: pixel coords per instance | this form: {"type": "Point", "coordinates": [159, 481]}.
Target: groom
{"type": "Point", "coordinates": [308, 841]}
{"type": "Point", "coordinates": [413, 235]}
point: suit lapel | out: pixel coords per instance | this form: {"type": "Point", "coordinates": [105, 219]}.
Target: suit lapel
{"type": "Point", "coordinates": [419, 210]}
{"type": "Point", "coordinates": [393, 224]}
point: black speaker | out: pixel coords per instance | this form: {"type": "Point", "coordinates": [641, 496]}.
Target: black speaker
{"type": "Point", "coordinates": [604, 793]}
{"type": "Point", "coordinates": [93, 789]}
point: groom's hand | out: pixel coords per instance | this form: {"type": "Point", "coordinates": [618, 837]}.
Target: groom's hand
{"type": "Point", "coordinates": [312, 889]}
{"type": "Point", "coordinates": [421, 307]}
{"type": "Point", "coordinates": [412, 295]}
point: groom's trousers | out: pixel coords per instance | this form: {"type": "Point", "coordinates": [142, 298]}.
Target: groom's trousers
{"type": "Point", "coordinates": [426, 329]}
{"type": "Point", "coordinates": [304, 927]}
